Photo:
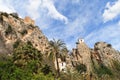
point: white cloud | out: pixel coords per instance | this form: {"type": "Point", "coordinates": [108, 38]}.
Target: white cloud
{"type": "Point", "coordinates": [75, 27]}
{"type": "Point", "coordinates": [108, 34]}
{"type": "Point", "coordinates": [52, 11]}
{"type": "Point", "coordinates": [6, 7]}
{"type": "Point", "coordinates": [32, 8]}
{"type": "Point", "coordinates": [37, 8]}
{"type": "Point", "coordinates": [111, 11]}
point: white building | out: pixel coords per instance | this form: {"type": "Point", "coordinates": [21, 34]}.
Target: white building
{"type": "Point", "coordinates": [80, 40]}
{"type": "Point", "coordinates": [62, 65]}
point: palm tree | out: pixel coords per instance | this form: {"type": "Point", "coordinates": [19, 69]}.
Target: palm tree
{"type": "Point", "coordinates": [57, 46]}
{"type": "Point", "coordinates": [64, 53]}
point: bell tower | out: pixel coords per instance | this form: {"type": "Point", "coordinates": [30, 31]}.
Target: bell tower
{"type": "Point", "coordinates": [80, 40]}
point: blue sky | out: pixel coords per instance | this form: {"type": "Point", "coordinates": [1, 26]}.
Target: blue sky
{"type": "Point", "coordinates": [92, 20]}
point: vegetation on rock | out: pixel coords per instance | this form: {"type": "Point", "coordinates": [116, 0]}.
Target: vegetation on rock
{"type": "Point", "coordinates": [8, 30]}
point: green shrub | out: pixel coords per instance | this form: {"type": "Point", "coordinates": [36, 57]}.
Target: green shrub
{"type": "Point", "coordinates": [32, 26]}
{"type": "Point", "coordinates": [29, 43]}
{"type": "Point", "coordinates": [46, 69]}
{"type": "Point", "coordinates": [71, 75]}
{"type": "Point", "coordinates": [109, 45]}
{"type": "Point", "coordinates": [8, 30]}
{"type": "Point", "coordinates": [24, 32]}
{"type": "Point", "coordinates": [25, 53]}
{"type": "Point", "coordinates": [9, 71]}
{"type": "Point", "coordinates": [3, 57]}
{"type": "Point", "coordinates": [116, 65]}
{"type": "Point", "coordinates": [41, 76]}
{"type": "Point", "coordinates": [5, 14]}
{"type": "Point", "coordinates": [16, 44]}
{"type": "Point", "coordinates": [1, 18]}
{"type": "Point", "coordinates": [97, 43]}
{"type": "Point", "coordinates": [81, 68]}
{"type": "Point", "coordinates": [103, 70]}
{"type": "Point", "coordinates": [14, 15]}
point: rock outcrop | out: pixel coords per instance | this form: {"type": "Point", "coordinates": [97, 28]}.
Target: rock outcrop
{"type": "Point", "coordinates": [102, 54]}
{"type": "Point", "coordinates": [13, 28]}
{"type": "Point", "coordinates": [81, 55]}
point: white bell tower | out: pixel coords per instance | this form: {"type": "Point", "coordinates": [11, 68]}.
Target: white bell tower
{"type": "Point", "coordinates": [80, 40]}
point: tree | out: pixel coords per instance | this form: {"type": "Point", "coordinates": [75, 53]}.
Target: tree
{"type": "Point", "coordinates": [9, 71]}
{"type": "Point", "coordinates": [24, 64]}
{"type": "Point", "coordinates": [46, 69]}
{"type": "Point", "coordinates": [64, 53]}
{"type": "Point", "coordinates": [57, 47]}
{"type": "Point", "coordinates": [25, 53]}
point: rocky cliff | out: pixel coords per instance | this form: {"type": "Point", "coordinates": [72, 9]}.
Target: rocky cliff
{"type": "Point", "coordinates": [81, 55]}
{"type": "Point", "coordinates": [103, 52]}
{"type": "Point", "coordinates": [101, 57]}
{"type": "Point", "coordinates": [13, 28]}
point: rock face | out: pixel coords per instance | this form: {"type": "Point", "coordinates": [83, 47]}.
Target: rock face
{"type": "Point", "coordinates": [82, 55]}
{"type": "Point", "coordinates": [13, 28]}
{"type": "Point", "coordinates": [103, 53]}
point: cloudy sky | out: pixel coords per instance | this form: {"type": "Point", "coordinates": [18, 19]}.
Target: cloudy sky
{"type": "Point", "coordinates": [92, 20]}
